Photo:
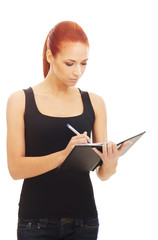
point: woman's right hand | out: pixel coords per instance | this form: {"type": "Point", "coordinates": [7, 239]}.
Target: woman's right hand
{"type": "Point", "coordinates": [79, 139]}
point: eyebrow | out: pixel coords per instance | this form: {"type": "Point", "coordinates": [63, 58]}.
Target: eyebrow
{"type": "Point", "coordinates": [75, 61]}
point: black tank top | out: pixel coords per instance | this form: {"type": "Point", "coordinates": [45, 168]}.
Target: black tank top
{"type": "Point", "coordinates": [55, 194]}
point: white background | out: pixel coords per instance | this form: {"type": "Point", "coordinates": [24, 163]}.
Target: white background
{"type": "Point", "coordinates": [122, 68]}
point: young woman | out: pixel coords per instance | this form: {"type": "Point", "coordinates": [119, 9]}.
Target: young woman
{"type": "Point", "coordinates": [57, 205]}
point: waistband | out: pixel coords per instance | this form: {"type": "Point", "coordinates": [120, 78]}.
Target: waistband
{"type": "Point", "coordinates": [42, 223]}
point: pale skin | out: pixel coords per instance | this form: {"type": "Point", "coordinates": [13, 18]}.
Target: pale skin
{"type": "Point", "coordinates": [58, 96]}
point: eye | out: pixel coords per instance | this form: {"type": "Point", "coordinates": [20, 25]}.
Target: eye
{"type": "Point", "coordinates": [68, 64]}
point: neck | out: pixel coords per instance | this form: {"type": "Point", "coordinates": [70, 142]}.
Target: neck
{"type": "Point", "coordinates": [55, 86]}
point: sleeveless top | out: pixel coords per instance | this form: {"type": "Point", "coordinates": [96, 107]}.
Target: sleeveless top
{"type": "Point", "coordinates": [55, 194]}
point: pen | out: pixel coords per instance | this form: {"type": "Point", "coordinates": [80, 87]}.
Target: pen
{"type": "Point", "coordinates": [72, 129]}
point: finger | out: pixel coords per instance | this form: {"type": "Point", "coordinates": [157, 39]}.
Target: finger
{"type": "Point", "coordinates": [109, 148]}
{"type": "Point", "coordinates": [114, 148]}
{"type": "Point", "coordinates": [124, 145]}
{"type": "Point", "coordinates": [88, 139]}
{"type": "Point", "coordinates": [80, 141]}
{"type": "Point", "coordinates": [127, 143]}
{"type": "Point", "coordinates": [78, 136]}
{"type": "Point", "coordinates": [82, 136]}
{"type": "Point", "coordinates": [105, 147]}
{"type": "Point", "coordinates": [85, 132]}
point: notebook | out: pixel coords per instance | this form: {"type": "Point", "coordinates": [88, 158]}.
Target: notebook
{"type": "Point", "coordinates": [84, 158]}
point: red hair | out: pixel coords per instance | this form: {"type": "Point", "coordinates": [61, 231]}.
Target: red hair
{"type": "Point", "coordinates": [65, 31]}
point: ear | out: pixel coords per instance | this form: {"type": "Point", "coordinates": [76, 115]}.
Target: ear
{"type": "Point", "coordinates": [49, 56]}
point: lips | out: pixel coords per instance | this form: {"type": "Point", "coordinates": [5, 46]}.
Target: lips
{"type": "Point", "coordinates": [74, 79]}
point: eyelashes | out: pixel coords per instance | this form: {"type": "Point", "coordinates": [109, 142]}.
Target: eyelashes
{"type": "Point", "coordinates": [68, 64]}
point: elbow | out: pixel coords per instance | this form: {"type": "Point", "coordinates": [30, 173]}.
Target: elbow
{"type": "Point", "coordinates": [13, 171]}
{"type": "Point", "coordinates": [107, 176]}
{"type": "Point", "coordinates": [104, 179]}
{"type": "Point", "coordinates": [13, 174]}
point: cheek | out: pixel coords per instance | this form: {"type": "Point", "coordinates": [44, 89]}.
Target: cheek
{"type": "Point", "coordinates": [84, 68]}
{"type": "Point", "coordinates": [61, 70]}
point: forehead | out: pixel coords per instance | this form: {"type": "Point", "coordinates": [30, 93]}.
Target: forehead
{"type": "Point", "coordinates": [73, 50]}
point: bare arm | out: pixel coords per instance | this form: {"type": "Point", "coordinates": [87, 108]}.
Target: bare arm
{"type": "Point", "coordinates": [110, 153]}
{"type": "Point", "coordinates": [100, 129]}
{"type": "Point", "coordinates": [19, 166]}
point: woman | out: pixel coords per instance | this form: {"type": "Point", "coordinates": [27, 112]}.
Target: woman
{"type": "Point", "coordinates": [57, 205]}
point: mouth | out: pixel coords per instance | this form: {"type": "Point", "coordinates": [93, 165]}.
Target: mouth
{"type": "Point", "coordinates": [74, 80]}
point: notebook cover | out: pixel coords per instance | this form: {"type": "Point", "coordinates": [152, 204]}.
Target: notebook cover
{"type": "Point", "coordinates": [84, 158]}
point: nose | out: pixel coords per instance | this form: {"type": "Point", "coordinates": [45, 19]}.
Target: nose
{"type": "Point", "coordinates": [77, 71]}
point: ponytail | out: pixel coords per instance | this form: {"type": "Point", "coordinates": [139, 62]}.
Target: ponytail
{"type": "Point", "coordinates": [46, 64]}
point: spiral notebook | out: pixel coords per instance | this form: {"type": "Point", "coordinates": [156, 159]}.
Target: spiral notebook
{"type": "Point", "coordinates": [84, 158]}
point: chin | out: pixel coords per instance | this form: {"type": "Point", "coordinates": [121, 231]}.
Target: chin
{"type": "Point", "coordinates": [71, 85]}
{"type": "Point", "coordinates": [73, 82]}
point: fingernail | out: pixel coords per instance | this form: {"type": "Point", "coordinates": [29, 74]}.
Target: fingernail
{"type": "Point", "coordinates": [129, 142]}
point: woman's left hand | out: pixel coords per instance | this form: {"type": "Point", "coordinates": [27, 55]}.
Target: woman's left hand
{"type": "Point", "coordinates": [110, 154]}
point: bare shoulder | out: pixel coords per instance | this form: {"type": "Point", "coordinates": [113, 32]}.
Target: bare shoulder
{"type": "Point", "coordinates": [97, 101]}
{"type": "Point", "coordinates": [16, 101]}
{"type": "Point", "coordinates": [96, 98]}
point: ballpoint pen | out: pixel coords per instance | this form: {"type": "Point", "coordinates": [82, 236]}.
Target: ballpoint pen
{"type": "Point", "coordinates": [72, 129]}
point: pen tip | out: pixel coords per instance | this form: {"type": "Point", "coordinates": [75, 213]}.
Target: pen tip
{"type": "Point", "coordinates": [67, 125]}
